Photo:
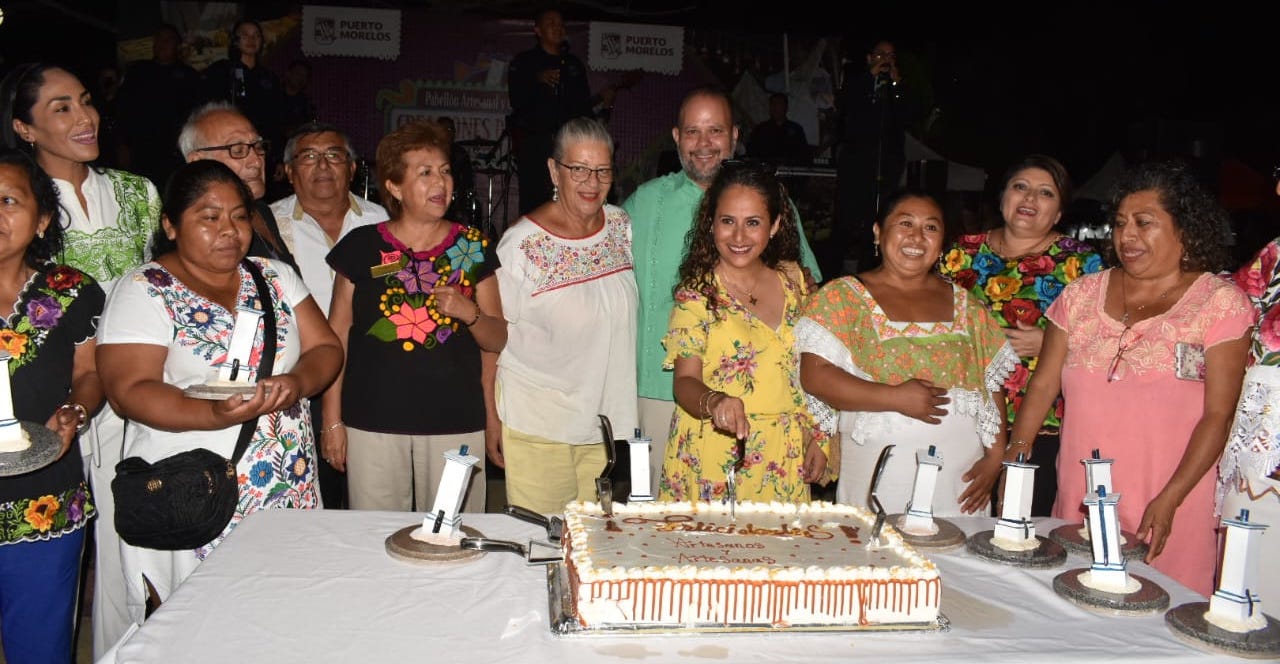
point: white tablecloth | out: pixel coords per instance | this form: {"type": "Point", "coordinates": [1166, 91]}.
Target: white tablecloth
{"type": "Point", "coordinates": [318, 586]}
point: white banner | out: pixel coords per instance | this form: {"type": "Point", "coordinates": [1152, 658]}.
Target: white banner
{"type": "Point", "coordinates": [630, 46]}
{"type": "Point", "coordinates": [362, 33]}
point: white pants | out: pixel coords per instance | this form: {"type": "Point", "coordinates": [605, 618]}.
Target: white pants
{"type": "Point", "coordinates": [101, 445]}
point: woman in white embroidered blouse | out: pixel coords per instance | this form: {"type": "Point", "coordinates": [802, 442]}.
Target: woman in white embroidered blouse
{"type": "Point", "coordinates": [569, 296]}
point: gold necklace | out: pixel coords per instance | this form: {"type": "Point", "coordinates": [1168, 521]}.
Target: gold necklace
{"type": "Point", "coordinates": [1124, 298]}
{"type": "Point", "coordinates": [750, 292]}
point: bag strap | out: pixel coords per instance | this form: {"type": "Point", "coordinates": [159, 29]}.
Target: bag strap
{"type": "Point", "coordinates": [268, 359]}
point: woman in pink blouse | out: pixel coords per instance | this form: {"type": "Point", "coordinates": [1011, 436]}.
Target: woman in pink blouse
{"type": "Point", "coordinates": [1149, 357]}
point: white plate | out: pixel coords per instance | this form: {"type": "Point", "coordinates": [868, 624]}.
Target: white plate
{"type": "Point", "coordinates": [219, 392]}
{"type": "Point", "coordinates": [45, 445]}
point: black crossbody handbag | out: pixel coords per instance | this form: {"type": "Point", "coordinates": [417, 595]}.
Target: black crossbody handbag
{"type": "Point", "coordinates": [186, 500]}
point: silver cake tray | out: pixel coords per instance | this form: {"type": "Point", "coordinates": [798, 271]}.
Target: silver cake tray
{"type": "Point", "coordinates": [45, 445]}
{"type": "Point", "coordinates": [564, 623]}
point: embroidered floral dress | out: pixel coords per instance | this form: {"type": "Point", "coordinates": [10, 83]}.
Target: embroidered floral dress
{"type": "Point", "coordinates": [1019, 290]}
{"type": "Point", "coordinates": [1253, 447]}
{"type": "Point", "coordinates": [1145, 417]}
{"type": "Point", "coordinates": [411, 369]}
{"type": "Point", "coordinates": [968, 354]}
{"type": "Point", "coordinates": [744, 358]}
{"type": "Point", "coordinates": [56, 310]}
{"type": "Point", "coordinates": [151, 306]}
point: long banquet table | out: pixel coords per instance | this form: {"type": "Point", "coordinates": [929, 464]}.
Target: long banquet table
{"type": "Point", "coordinates": [318, 586]}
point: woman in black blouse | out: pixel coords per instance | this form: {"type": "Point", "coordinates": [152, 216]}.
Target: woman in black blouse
{"type": "Point", "coordinates": [48, 315]}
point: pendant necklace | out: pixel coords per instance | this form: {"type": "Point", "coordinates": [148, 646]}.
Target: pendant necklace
{"type": "Point", "coordinates": [750, 292]}
{"type": "Point", "coordinates": [1124, 299]}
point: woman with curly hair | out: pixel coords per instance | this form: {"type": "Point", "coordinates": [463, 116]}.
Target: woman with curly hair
{"type": "Point", "coordinates": [1150, 357]}
{"type": "Point", "coordinates": [731, 343]}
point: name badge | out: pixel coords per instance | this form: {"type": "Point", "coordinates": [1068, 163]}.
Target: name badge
{"type": "Point", "coordinates": [392, 262]}
{"type": "Point", "coordinates": [1189, 361]}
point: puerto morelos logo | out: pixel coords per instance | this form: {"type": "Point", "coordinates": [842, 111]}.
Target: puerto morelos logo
{"type": "Point", "coordinates": [611, 45]}
{"type": "Point", "coordinates": [326, 31]}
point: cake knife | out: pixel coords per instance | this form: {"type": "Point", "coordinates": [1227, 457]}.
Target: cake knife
{"type": "Point", "coordinates": [554, 525]}
{"type": "Point", "coordinates": [873, 501]}
{"type": "Point", "coordinates": [604, 485]}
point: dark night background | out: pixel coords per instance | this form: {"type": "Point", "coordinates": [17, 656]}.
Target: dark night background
{"type": "Point", "coordinates": [1075, 80]}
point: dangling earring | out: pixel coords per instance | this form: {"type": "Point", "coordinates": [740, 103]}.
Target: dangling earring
{"type": "Point", "coordinates": [40, 234]}
{"type": "Point", "coordinates": [1185, 263]}
{"type": "Point", "coordinates": [555, 193]}
{"type": "Point", "coordinates": [875, 247]}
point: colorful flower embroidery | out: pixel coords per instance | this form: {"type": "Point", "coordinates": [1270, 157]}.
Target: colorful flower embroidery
{"type": "Point", "coordinates": [40, 512]}
{"type": "Point", "coordinates": [63, 277]}
{"type": "Point", "coordinates": [1018, 292]}
{"type": "Point", "coordinates": [465, 254]}
{"type": "Point", "coordinates": [200, 317]}
{"type": "Point", "coordinates": [1260, 280]}
{"type": "Point", "coordinates": [36, 519]}
{"type": "Point", "coordinates": [409, 305]}
{"type": "Point", "coordinates": [14, 343]}
{"type": "Point", "coordinates": [40, 306]}
{"type": "Point", "coordinates": [412, 323]}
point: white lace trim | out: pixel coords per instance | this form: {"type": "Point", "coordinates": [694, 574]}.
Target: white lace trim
{"type": "Point", "coordinates": [1003, 364]}
{"type": "Point", "coordinates": [818, 340]}
{"type": "Point", "coordinates": [1253, 445]}
{"type": "Point", "coordinates": [862, 426]}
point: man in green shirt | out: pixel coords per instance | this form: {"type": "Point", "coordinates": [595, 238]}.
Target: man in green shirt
{"type": "Point", "coordinates": [662, 211]}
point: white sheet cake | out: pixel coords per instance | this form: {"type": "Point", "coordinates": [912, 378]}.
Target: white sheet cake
{"type": "Point", "coordinates": [777, 565]}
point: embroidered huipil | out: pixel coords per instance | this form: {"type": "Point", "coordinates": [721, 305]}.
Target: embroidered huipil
{"type": "Point", "coordinates": [968, 354]}
{"type": "Point", "coordinates": [1019, 291]}
{"type": "Point", "coordinates": [1144, 418]}
{"type": "Point", "coordinates": [57, 310]}
{"type": "Point", "coordinates": [411, 369]}
{"type": "Point", "coordinates": [151, 306]}
{"type": "Point", "coordinates": [1253, 447]}
{"type": "Point", "coordinates": [111, 238]}
{"type": "Point", "coordinates": [570, 306]}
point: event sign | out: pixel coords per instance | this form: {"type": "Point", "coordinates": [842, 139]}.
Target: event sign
{"type": "Point", "coordinates": [632, 46]}
{"type": "Point", "coordinates": [351, 31]}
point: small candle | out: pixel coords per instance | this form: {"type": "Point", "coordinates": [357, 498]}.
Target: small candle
{"type": "Point", "coordinates": [462, 451]}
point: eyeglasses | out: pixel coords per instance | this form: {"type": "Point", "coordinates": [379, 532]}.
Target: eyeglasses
{"type": "Point", "coordinates": [604, 174]}
{"type": "Point", "coordinates": [240, 150]}
{"type": "Point", "coordinates": [1113, 371]}
{"type": "Point", "coordinates": [311, 157]}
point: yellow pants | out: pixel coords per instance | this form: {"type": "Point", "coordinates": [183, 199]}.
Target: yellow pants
{"type": "Point", "coordinates": [544, 475]}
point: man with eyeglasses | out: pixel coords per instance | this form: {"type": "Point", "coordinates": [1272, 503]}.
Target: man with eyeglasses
{"type": "Point", "coordinates": [320, 164]}
{"type": "Point", "coordinates": [220, 132]}
{"type": "Point", "coordinates": [662, 212]}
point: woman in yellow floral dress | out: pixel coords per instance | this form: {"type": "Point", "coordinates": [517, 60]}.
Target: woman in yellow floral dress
{"type": "Point", "coordinates": [731, 343]}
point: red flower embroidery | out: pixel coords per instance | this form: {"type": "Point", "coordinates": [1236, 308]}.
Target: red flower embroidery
{"type": "Point", "coordinates": [1019, 310]}
{"type": "Point", "coordinates": [62, 277]}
